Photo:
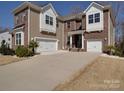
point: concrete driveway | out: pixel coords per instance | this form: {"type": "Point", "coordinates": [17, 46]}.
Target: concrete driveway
{"type": "Point", "coordinates": [43, 72]}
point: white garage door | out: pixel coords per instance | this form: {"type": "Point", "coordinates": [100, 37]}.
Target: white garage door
{"type": "Point", "coordinates": [47, 45]}
{"type": "Point", "coordinates": [94, 46]}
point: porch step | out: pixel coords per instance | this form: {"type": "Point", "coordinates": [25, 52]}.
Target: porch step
{"type": "Point", "coordinates": [76, 50]}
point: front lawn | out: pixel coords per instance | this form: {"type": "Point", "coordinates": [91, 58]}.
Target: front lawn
{"type": "Point", "coordinates": [8, 59]}
{"type": "Point", "coordinates": [103, 74]}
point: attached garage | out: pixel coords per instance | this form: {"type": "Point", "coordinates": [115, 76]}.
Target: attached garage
{"type": "Point", "coordinates": [47, 44]}
{"type": "Point", "coordinates": [94, 46]}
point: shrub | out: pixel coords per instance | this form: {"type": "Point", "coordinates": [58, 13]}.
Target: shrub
{"type": "Point", "coordinates": [22, 51]}
{"type": "Point", "coordinates": [118, 52]}
{"type": "Point", "coordinates": [109, 50]}
{"type": "Point", "coordinates": [33, 44]}
{"type": "Point", "coordinates": [9, 51]}
{"type": "Point", "coordinates": [120, 48]}
{"type": "Point", "coordinates": [3, 47]}
{"type": "Point", "coordinates": [5, 50]}
{"type": "Point", "coordinates": [30, 53]}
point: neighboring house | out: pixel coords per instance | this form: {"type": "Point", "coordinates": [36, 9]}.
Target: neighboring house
{"type": "Point", "coordinates": [6, 35]}
{"type": "Point", "coordinates": [91, 30]}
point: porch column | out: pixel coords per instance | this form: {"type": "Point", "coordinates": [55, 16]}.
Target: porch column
{"type": "Point", "coordinates": [82, 41]}
{"type": "Point", "coordinates": [71, 41]}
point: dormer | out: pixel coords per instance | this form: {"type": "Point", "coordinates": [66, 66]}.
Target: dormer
{"type": "Point", "coordinates": [94, 17]}
{"type": "Point", "coordinates": [48, 19]}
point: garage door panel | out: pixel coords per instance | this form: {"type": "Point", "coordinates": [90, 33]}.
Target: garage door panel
{"type": "Point", "coordinates": [94, 46]}
{"type": "Point", "coordinates": [47, 45]}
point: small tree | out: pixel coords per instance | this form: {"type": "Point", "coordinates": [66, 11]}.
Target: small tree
{"type": "Point", "coordinates": [121, 47]}
{"type": "Point", "coordinates": [3, 47]}
{"type": "Point", "coordinates": [33, 44]}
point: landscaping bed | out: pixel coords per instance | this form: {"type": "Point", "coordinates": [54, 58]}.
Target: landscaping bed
{"type": "Point", "coordinates": [9, 59]}
{"type": "Point", "coordinates": [104, 73]}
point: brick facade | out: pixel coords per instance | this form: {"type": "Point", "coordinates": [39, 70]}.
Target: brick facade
{"type": "Point", "coordinates": [98, 35]}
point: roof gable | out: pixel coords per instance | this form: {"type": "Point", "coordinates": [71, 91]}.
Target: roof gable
{"type": "Point", "coordinates": [25, 5]}
{"type": "Point", "coordinates": [95, 5]}
{"type": "Point", "coordinates": [45, 8]}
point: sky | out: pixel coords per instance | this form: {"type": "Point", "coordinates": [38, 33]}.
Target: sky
{"type": "Point", "coordinates": [63, 8]}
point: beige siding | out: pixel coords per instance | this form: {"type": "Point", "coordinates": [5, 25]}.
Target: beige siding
{"type": "Point", "coordinates": [35, 26]}
{"type": "Point", "coordinates": [60, 35]}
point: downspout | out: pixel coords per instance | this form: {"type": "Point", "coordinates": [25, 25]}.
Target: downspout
{"type": "Point", "coordinates": [28, 25]}
{"type": "Point", "coordinates": [109, 41]}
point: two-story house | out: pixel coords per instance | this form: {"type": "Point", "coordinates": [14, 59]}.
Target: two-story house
{"type": "Point", "coordinates": [7, 37]}
{"type": "Point", "coordinates": [90, 30]}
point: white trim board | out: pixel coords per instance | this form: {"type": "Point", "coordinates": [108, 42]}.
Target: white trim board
{"type": "Point", "coordinates": [52, 39]}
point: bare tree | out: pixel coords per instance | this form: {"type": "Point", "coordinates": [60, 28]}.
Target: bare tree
{"type": "Point", "coordinates": [76, 9]}
{"type": "Point", "coordinates": [117, 7]}
{"type": "Point", "coordinates": [122, 30]}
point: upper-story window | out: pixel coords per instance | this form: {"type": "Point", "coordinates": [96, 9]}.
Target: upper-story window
{"type": "Point", "coordinates": [97, 17]}
{"type": "Point", "coordinates": [49, 20]}
{"type": "Point", "coordinates": [90, 19]}
{"type": "Point", "coordinates": [94, 18]}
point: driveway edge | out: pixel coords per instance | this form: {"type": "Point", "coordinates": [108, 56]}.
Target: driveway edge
{"type": "Point", "coordinates": [74, 75]}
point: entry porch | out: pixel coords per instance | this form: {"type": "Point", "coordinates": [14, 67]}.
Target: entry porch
{"type": "Point", "coordinates": [75, 40]}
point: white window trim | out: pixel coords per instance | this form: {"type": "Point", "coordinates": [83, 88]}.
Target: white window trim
{"type": "Point", "coordinates": [52, 39]}
{"type": "Point", "coordinates": [22, 38]}
{"type": "Point", "coordinates": [49, 17]}
{"type": "Point", "coordinates": [90, 19]}
{"type": "Point", "coordinates": [94, 18]}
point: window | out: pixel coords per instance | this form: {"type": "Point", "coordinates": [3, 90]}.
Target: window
{"type": "Point", "coordinates": [94, 18]}
{"type": "Point", "coordinates": [18, 39]}
{"type": "Point", "coordinates": [97, 17]}
{"type": "Point", "coordinates": [90, 19]}
{"type": "Point", "coordinates": [68, 24]}
{"type": "Point", "coordinates": [49, 20]}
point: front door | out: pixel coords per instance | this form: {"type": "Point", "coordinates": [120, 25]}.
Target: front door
{"type": "Point", "coordinates": [77, 41]}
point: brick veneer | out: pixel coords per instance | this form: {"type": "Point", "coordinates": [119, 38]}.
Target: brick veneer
{"type": "Point", "coordinates": [98, 35]}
